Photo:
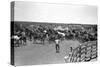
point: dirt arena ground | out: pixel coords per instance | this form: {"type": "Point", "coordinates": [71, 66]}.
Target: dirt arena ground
{"type": "Point", "coordinates": [42, 54]}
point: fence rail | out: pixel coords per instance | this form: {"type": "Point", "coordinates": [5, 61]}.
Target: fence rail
{"type": "Point", "coordinates": [85, 52]}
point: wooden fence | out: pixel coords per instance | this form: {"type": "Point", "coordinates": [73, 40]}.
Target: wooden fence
{"type": "Point", "coordinates": [85, 52]}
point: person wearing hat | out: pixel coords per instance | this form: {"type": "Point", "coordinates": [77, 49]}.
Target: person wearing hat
{"type": "Point", "coordinates": [57, 45]}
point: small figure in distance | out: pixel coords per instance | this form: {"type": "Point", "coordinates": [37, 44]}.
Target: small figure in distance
{"type": "Point", "coordinates": [57, 45]}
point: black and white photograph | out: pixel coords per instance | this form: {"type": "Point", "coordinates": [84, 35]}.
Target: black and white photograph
{"type": "Point", "coordinates": [48, 33]}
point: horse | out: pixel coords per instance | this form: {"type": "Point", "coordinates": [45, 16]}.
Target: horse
{"type": "Point", "coordinates": [16, 40]}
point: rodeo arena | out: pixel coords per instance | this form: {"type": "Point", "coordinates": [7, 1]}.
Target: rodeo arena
{"type": "Point", "coordinates": [46, 43]}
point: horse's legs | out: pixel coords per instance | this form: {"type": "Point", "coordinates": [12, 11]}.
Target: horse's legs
{"type": "Point", "coordinates": [42, 41]}
{"type": "Point", "coordinates": [25, 41]}
{"type": "Point", "coordinates": [21, 42]}
{"type": "Point", "coordinates": [34, 41]}
{"type": "Point", "coordinates": [18, 43]}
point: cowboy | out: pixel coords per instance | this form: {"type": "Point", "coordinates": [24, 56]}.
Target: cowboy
{"type": "Point", "coordinates": [57, 45]}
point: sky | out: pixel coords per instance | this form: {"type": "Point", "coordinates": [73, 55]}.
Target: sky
{"type": "Point", "coordinates": [55, 13]}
